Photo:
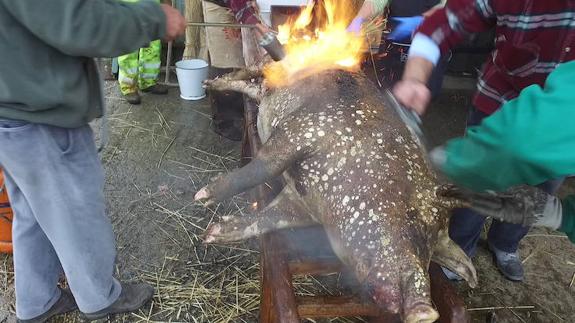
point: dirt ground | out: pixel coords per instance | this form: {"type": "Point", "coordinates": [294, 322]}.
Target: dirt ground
{"type": "Point", "coordinates": [161, 152]}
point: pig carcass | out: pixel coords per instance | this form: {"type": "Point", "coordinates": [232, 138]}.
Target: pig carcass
{"type": "Point", "coordinates": [351, 165]}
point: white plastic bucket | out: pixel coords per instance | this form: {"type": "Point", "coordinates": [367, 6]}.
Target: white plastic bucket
{"type": "Point", "coordinates": [191, 75]}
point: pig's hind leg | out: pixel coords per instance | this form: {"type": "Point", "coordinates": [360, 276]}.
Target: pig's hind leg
{"type": "Point", "coordinates": [283, 212]}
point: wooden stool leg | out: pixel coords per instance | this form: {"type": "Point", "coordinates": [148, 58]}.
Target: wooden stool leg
{"type": "Point", "coordinates": [278, 298]}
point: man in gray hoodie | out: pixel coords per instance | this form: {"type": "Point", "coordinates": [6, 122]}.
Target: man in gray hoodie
{"type": "Point", "coordinates": [49, 91]}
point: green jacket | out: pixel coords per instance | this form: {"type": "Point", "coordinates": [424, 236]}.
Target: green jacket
{"type": "Point", "coordinates": [530, 140]}
{"type": "Point", "coordinates": [46, 73]}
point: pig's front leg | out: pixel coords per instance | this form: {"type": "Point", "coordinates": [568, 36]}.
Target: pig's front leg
{"type": "Point", "coordinates": [274, 157]}
{"type": "Point", "coordinates": [248, 73]}
{"type": "Point", "coordinates": [283, 212]}
{"type": "Point", "coordinates": [254, 90]}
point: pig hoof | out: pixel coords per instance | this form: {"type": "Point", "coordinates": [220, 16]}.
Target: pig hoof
{"type": "Point", "coordinates": [421, 313]}
{"type": "Point", "coordinates": [202, 194]}
{"type": "Point", "coordinates": [212, 232]}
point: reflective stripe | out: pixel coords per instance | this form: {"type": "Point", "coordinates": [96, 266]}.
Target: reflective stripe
{"type": "Point", "coordinates": [126, 80]}
{"type": "Point", "coordinates": [131, 71]}
{"type": "Point", "coordinates": [149, 76]}
{"type": "Point", "coordinates": [151, 65]}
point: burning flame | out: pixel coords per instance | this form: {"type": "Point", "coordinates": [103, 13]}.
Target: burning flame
{"type": "Point", "coordinates": [316, 41]}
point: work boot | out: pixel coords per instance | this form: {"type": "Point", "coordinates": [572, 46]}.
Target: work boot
{"type": "Point", "coordinates": [66, 303]}
{"type": "Point", "coordinates": [131, 298]}
{"type": "Point", "coordinates": [133, 98]}
{"type": "Point", "coordinates": [508, 264]}
{"type": "Point", "coordinates": [156, 89]}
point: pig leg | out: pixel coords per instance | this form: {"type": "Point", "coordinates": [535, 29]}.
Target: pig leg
{"type": "Point", "coordinates": [283, 212]}
{"type": "Point", "coordinates": [253, 90]}
{"type": "Point", "coordinates": [248, 73]}
{"type": "Point", "coordinates": [448, 254]}
{"type": "Point", "coordinates": [417, 307]}
{"type": "Point", "coordinates": [275, 156]}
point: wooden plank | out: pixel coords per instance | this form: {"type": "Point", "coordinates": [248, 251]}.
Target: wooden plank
{"type": "Point", "coordinates": [450, 305]}
{"type": "Point", "coordinates": [334, 306]}
{"type": "Point", "coordinates": [279, 303]}
{"type": "Point", "coordinates": [315, 266]}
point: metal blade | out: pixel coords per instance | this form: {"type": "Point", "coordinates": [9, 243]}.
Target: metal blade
{"type": "Point", "coordinates": [410, 118]}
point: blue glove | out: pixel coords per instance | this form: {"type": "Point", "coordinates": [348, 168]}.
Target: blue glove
{"type": "Point", "coordinates": [405, 27]}
{"type": "Point", "coordinates": [355, 25]}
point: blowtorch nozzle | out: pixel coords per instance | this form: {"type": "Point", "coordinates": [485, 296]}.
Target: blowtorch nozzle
{"type": "Point", "coordinates": [272, 45]}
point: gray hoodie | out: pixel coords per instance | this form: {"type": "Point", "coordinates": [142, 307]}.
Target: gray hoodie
{"type": "Point", "coordinates": [47, 74]}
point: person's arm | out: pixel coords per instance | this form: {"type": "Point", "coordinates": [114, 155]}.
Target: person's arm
{"type": "Point", "coordinates": [568, 221]}
{"type": "Point", "coordinates": [439, 33]}
{"type": "Point", "coordinates": [102, 28]}
{"type": "Point", "coordinates": [530, 140]}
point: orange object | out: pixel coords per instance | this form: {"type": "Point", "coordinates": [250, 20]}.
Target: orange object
{"type": "Point", "coordinates": [6, 216]}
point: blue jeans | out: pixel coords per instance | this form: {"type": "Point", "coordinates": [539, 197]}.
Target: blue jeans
{"type": "Point", "coordinates": [56, 187]}
{"type": "Point", "coordinates": [465, 225]}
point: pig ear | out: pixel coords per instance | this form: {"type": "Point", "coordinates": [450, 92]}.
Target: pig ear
{"type": "Point", "coordinates": [448, 254]}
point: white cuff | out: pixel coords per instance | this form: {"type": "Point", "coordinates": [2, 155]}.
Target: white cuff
{"type": "Point", "coordinates": [425, 47]}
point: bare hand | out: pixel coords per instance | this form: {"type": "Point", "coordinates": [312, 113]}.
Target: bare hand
{"type": "Point", "coordinates": [413, 94]}
{"type": "Point", "coordinates": [175, 23]}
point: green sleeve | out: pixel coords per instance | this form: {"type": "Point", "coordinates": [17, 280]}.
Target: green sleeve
{"type": "Point", "coordinates": [530, 140]}
{"type": "Point", "coordinates": [568, 222]}
{"type": "Point", "coordinates": [91, 28]}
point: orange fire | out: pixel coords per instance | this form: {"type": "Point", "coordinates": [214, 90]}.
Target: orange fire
{"type": "Point", "coordinates": [316, 41]}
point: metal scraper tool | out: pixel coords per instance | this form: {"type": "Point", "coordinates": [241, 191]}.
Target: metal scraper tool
{"type": "Point", "coordinates": [410, 118]}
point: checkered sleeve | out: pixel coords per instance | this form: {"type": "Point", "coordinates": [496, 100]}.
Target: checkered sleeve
{"type": "Point", "coordinates": [246, 11]}
{"type": "Point", "coordinates": [457, 21]}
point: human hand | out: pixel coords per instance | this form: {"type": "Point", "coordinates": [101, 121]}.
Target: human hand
{"type": "Point", "coordinates": [405, 27]}
{"type": "Point", "coordinates": [412, 94]}
{"type": "Point", "coordinates": [355, 25]}
{"type": "Point", "coordinates": [175, 23]}
{"type": "Point", "coordinates": [232, 33]}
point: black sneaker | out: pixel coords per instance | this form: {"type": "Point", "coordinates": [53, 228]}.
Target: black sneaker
{"type": "Point", "coordinates": [508, 264]}
{"type": "Point", "coordinates": [133, 98]}
{"type": "Point", "coordinates": [65, 304]}
{"type": "Point", "coordinates": [156, 89]}
{"type": "Point", "coordinates": [131, 298]}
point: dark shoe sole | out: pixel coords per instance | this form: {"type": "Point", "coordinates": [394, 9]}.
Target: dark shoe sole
{"type": "Point", "coordinates": [103, 315]}
{"type": "Point", "coordinates": [47, 316]}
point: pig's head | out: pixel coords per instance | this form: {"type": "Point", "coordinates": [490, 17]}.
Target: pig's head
{"type": "Point", "coordinates": [396, 277]}
{"type": "Point", "coordinates": [404, 289]}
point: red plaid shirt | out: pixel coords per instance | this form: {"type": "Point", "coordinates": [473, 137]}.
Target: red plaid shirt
{"type": "Point", "coordinates": [532, 38]}
{"type": "Point", "coordinates": [245, 11]}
